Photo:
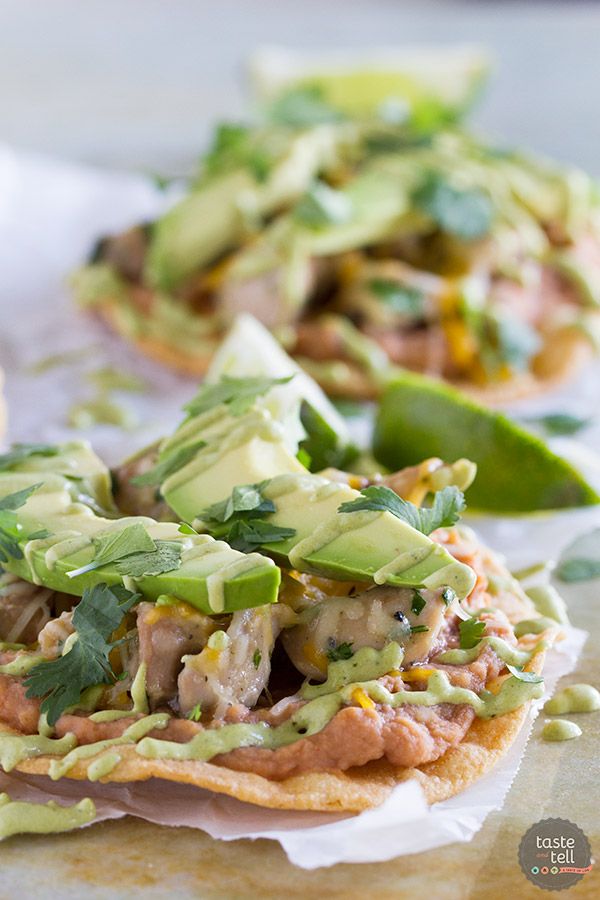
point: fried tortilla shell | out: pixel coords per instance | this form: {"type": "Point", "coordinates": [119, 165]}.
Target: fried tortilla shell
{"type": "Point", "coordinates": [563, 356]}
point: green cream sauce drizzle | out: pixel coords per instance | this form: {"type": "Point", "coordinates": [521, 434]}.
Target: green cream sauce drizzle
{"type": "Point", "coordinates": [60, 767]}
{"type": "Point", "coordinates": [534, 626]}
{"type": "Point", "coordinates": [548, 602]}
{"type": "Point", "coordinates": [138, 695]}
{"type": "Point", "coordinates": [505, 651]}
{"type": "Point", "coordinates": [14, 748]}
{"type": "Point", "coordinates": [315, 715]}
{"type": "Point", "coordinates": [576, 698]}
{"type": "Point", "coordinates": [102, 766]}
{"type": "Point", "coordinates": [20, 817]}
{"type": "Point", "coordinates": [560, 730]}
{"type": "Point", "coordinates": [21, 664]}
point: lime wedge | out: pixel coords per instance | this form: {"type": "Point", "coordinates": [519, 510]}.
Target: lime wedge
{"type": "Point", "coordinates": [419, 418]}
{"type": "Point", "coordinates": [250, 350]}
{"type": "Point", "coordinates": [423, 81]}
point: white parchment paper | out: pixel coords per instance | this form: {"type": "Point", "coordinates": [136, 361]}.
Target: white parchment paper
{"type": "Point", "coordinates": [50, 215]}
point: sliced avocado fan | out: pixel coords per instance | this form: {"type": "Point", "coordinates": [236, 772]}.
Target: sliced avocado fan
{"type": "Point", "coordinates": [49, 536]}
{"type": "Point", "coordinates": [517, 473]}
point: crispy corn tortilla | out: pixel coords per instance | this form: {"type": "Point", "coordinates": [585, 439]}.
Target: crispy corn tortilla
{"type": "Point", "coordinates": [486, 741]}
{"type": "Point", "coordinates": [563, 356]}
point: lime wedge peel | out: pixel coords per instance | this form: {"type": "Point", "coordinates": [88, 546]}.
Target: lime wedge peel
{"type": "Point", "coordinates": [419, 417]}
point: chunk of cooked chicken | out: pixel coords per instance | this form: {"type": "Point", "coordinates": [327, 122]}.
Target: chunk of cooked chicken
{"type": "Point", "coordinates": [236, 668]}
{"type": "Point", "coordinates": [371, 618]}
{"type": "Point", "coordinates": [55, 632]}
{"type": "Point", "coordinates": [25, 608]}
{"type": "Point", "coordinates": [166, 634]}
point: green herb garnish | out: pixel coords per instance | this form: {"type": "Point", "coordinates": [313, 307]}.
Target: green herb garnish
{"type": "Point", "coordinates": [402, 298]}
{"type": "Point", "coordinates": [303, 106]}
{"type": "Point", "coordinates": [471, 632]}
{"type": "Point", "coordinates": [95, 618]}
{"type": "Point", "coordinates": [256, 658]}
{"type": "Point", "coordinates": [168, 466]}
{"type": "Point", "coordinates": [235, 146]}
{"type": "Point", "coordinates": [246, 498]}
{"type": "Point", "coordinates": [115, 545]}
{"type": "Point", "coordinates": [529, 677]}
{"type": "Point", "coordinates": [164, 558]}
{"type": "Point", "coordinates": [467, 214]}
{"type": "Point", "coordinates": [562, 423]}
{"type": "Point", "coordinates": [195, 713]}
{"type": "Point", "coordinates": [418, 629]}
{"type": "Point", "coordinates": [448, 596]}
{"type": "Point", "coordinates": [578, 569]}
{"type": "Point", "coordinates": [418, 603]}
{"type": "Point", "coordinates": [341, 651]}
{"type": "Point", "coordinates": [18, 453]}
{"type": "Point", "coordinates": [249, 534]}
{"type": "Point", "coordinates": [321, 206]}
{"type": "Point", "coordinates": [445, 511]}
{"type": "Point", "coordinates": [237, 393]}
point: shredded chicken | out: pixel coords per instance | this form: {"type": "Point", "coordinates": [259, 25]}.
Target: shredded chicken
{"type": "Point", "coordinates": [237, 672]}
{"type": "Point", "coordinates": [166, 634]}
{"type": "Point", "coordinates": [24, 609]}
{"type": "Point", "coordinates": [53, 635]}
{"type": "Point", "coordinates": [139, 501]}
{"type": "Point", "coordinates": [371, 618]}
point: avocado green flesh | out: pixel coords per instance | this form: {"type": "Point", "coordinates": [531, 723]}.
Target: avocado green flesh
{"type": "Point", "coordinates": [217, 579]}
{"type": "Point", "coordinates": [420, 418]}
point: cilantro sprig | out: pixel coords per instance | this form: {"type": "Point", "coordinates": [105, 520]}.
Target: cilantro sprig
{"type": "Point", "coordinates": [62, 681]}
{"type": "Point", "coordinates": [521, 675]}
{"type": "Point", "coordinates": [134, 552]}
{"type": "Point", "coordinates": [239, 519]}
{"type": "Point", "coordinates": [447, 506]}
{"type": "Point", "coordinates": [18, 453]}
{"type": "Point", "coordinates": [172, 463]}
{"type": "Point", "coordinates": [471, 632]}
{"type": "Point", "coordinates": [340, 651]}
{"type": "Point", "coordinates": [238, 394]}
{"type": "Point", "coordinates": [467, 213]}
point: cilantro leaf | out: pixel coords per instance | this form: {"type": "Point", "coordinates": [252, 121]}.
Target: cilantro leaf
{"type": "Point", "coordinates": [419, 629]}
{"type": "Point", "coordinates": [234, 146]}
{"type": "Point", "coordinates": [165, 558]}
{"type": "Point", "coordinates": [340, 651]}
{"type": "Point", "coordinates": [418, 603]}
{"type": "Point", "coordinates": [95, 618]}
{"type": "Point", "coordinates": [167, 466]}
{"type": "Point", "coordinates": [195, 713]}
{"type": "Point", "coordinates": [245, 498]}
{"type": "Point", "coordinates": [445, 511]}
{"type": "Point", "coordinates": [322, 205]}
{"type": "Point", "coordinates": [237, 393]}
{"type": "Point", "coordinates": [471, 631]}
{"type": "Point", "coordinates": [401, 298]}
{"type": "Point", "coordinates": [529, 677]}
{"type": "Point", "coordinates": [115, 545]}
{"type": "Point", "coordinates": [248, 534]}
{"type": "Point", "coordinates": [303, 106]}
{"type": "Point", "coordinates": [256, 658]}
{"type": "Point", "coordinates": [562, 423]}
{"type": "Point", "coordinates": [580, 561]}
{"type": "Point", "coordinates": [11, 532]}
{"type": "Point", "coordinates": [467, 214]}
{"type": "Point", "coordinates": [578, 568]}
{"type": "Point", "coordinates": [20, 452]}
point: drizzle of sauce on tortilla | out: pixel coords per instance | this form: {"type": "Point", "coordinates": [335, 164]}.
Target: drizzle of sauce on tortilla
{"type": "Point", "coordinates": [20, 817]}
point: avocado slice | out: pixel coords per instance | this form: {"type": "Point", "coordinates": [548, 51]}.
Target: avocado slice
{"type": "Point", "coordinates": [214, 218]}
{"type": "Point", "coordinates": [210, 576]}
{"type": "Point", "coordinates": [419, 418]}
{"type": "Point", "coordinates": [362, 545]}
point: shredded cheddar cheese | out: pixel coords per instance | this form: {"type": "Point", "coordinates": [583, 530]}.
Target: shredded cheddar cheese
{"type": "Point", "coordinates": [362, 698]}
